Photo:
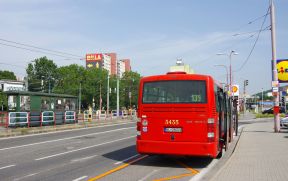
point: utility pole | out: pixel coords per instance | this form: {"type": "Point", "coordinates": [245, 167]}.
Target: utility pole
{"type": "Point", "coordinates": [118, 76]}
{"type": "Point", "coordinates": [108, 94]}
{"type": "Point", "coordinates": [262, 101]}
{"type": "Point", "coordinates": [244, 97]}
{"type": "Point", "coordinates": [100, 99]}
{"type": "Point", "coordinates": [79, 98]}
{"type": "Point", "coordinates": [274, 68]}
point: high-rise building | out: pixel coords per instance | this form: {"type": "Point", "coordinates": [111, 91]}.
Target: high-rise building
{"type": "Point", "coordinates": [123, 66]}
{"type": "Point", "coordinates": [113, 62]}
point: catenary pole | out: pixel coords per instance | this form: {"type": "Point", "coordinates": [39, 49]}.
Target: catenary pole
{"type": "Point", "coordinates": [274, 71]}
{"type": "Point", "coordinates": [118, 75]}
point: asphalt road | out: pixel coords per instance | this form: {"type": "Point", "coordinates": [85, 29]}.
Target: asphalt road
{"type": "Point", "coordinates": [99, 153]}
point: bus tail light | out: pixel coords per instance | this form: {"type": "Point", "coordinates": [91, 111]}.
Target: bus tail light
{"type": "Point", "coordinates": [144, 122]}
{"type": "Point", "coordinates": [138, 128]}
{"type": "Point", "coordinates": [210, 130]}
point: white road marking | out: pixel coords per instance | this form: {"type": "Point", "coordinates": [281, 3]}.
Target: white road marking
{"type": "Point", "coordinates": [204, 171]}
{"type": "Point", "coordinates": [63, 139]}
{"type": "Point", "coordinates": [84, 148]}
{"type": "Point", "coordinates": [7, 167]}
{"type": "Point", "coordinates": [30, 175]}
{"type": "Point", "coordinates": [83, 159]}
{"type": "Point", "coordinates": [80, 178]}
{"type": "Point", "coordinates": [148, 175]}
{"type": "Point", "coordinates": [15, 137]}
{"type": "Point", "coordinates": [117, 163]}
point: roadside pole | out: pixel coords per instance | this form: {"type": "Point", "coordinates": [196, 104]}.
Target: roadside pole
{"type": "Point", "coordinates": [118, 93]}
{"type": "Point", "coordinates": [274, 69]}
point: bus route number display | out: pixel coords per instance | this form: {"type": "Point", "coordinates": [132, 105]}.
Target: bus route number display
{"type": "Point", "coordinates": [196, 98]}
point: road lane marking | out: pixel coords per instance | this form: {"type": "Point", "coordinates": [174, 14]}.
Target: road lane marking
{"type": "Point", "coordinates": [117, 168]}
{"type": "Point", "coordinates": [117, 163]}
{"type": "Point", "coordinates": [204, 171]}
{"type": "Point", "coordinates": [39, 134]}
{"type": "Point", "coordinates": [83, 159]}
{"type": "Point", "coordinates": [193, 172]}
{"type": "Point", "coordinates": [21, 178]}
{"type": "Point", "coordinates": [148, 175]}
{"type": "Point", "coordinates": [7, 167]}
{"type": "Point", "coordinates": [188, 168]}
{"type": "Point", "coordinates": [80, 178]}
{"type": "Point", "coordinates": [63, 139]}
{"type": "Point", "coordinates": [174, 177]}
{"type": "Point", "coordinates": [84, 148]}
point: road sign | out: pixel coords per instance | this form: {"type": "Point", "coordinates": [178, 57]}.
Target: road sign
{"type": "Point", "coordinates": [275, 89]}
{"type": "Point", "coordinates": [235, 90]}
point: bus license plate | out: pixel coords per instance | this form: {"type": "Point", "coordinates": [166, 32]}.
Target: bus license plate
{"type": "Point", "coordinates": [173, 130]}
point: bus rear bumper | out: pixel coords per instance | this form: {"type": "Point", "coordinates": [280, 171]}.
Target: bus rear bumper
{"type": "Point", "coordinates": [178, 148]}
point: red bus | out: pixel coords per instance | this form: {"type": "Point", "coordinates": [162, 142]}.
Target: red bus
{"type": "Point", "coordinates": [183, 114]}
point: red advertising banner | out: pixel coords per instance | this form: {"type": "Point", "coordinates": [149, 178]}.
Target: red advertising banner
{"type": "Point", "coordinates": [94, 57]}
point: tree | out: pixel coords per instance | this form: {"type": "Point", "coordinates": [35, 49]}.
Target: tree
{"type": "Point", "coordinates": [3, 97]}
{"type": "Point", "coordinates": [42, 74]}
{"type": "Point", "coordinates": [129, 86]}
{"type": "Point", "coordinates": [7, 75]}
{"type": "Point", "coordinates": [68, 79]}
{"type": "Point", "coordinates": [93, 84]}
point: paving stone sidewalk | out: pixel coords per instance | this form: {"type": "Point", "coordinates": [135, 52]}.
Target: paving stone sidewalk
{"type": "Point", "coordinates": [260, 155]}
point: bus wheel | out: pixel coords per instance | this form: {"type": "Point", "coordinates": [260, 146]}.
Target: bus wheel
{"type": "Point", "coordinates": [220, 154]}
{"type": "Point", "coordinates": [220, 149]}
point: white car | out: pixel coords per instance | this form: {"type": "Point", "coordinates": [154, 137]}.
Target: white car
{"type": "Point", "coordinates": [284, 122]}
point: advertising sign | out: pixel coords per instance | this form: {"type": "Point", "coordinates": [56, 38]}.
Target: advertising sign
{"type": "Point", "coordinates": [235, 90]}
{"type": "Point", "coordinates": [97, 64]}
{"type": "Point", "coordinates": [94, 57]}
{"type": "Point", "coordinates": [282, 69]}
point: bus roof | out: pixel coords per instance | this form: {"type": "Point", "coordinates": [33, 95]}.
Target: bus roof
{"type": "Point", "coordinates": [177, 76]}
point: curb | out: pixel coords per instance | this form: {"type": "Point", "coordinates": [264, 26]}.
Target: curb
{"type": "Point", "coordinates": [219, 165]}
{"type": "Point", "coordinates": [12, 132]}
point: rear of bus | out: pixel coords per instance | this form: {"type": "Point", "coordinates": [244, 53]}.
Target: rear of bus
{"type": "Point", "coordinates": [177, 115]}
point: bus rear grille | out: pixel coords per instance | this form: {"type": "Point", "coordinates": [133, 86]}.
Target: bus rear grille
{"type": "Point", "coordinates": [175, 109]}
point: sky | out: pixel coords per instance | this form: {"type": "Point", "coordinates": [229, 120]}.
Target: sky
{"type": "Point", "coordinates": [153, 34]}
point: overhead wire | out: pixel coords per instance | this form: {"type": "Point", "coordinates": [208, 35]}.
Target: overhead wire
{"type": "Point", "coordinates": [225, 49]}
{"type": "Point", "coordinates": [217, 38]}
{"type": "Point", "coordinates": [36, 47]}
{"type": "Point", "coordinates": [38, 51]}
{"type": "Point", "coordinates": [254, 45]}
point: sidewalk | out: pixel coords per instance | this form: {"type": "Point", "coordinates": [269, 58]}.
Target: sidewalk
{"type": "Point", "coordinates": [260, 155]}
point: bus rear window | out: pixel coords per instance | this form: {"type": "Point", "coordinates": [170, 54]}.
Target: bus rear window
{"type": "Point", "coordinates": [178, 91]}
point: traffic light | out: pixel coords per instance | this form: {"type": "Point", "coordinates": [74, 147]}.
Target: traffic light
{"type": "Point", "coordinates": [283, 100]}
{"type": "Point", "coordinates": [246, 82]}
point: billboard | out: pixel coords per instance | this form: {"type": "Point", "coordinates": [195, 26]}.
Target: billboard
{"type": "Point", "coordinates": [282, 70]}
{"type": "Point", "coordinates": [94, 60]}
{"type": "Point", "coordinates": [97, 64]}
{"type": "Point", "coordinates": [94, 57]}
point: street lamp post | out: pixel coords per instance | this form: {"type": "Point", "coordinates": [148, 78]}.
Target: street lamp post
{"type": "Point", "coordinates": [230, 66]}
{"type": "Point", "coordinates": [108, 90]}
{"type": "Point", "coordinates": [226, 71]}
{"type": "Point", "coordinates": [262, 101]}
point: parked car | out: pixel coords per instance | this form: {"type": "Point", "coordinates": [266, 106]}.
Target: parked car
{"type": "Point", "coordinates": [284, 122]}
{"type": "Point", "coordinates": [270, 111]}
